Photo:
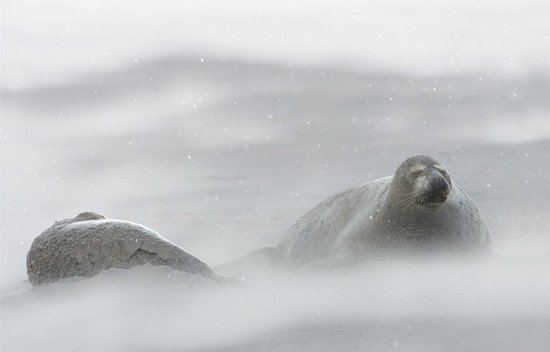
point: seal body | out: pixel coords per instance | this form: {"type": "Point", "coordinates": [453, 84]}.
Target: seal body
{"type": "Point", "coordinates": [417, 211]}
{"type": "Point", "coordinates": [90, 243]}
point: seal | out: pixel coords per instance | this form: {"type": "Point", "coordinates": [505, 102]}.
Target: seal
{"type": "Point", "coordinates": [417, 211]}
{"type": "Point", "coordinates": [89, 243]}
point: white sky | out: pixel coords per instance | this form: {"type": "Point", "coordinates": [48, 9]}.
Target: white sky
{"type": "Point", "coordinates": [47, 42]}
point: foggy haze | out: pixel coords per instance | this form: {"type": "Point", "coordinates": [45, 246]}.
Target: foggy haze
{"type": "Point", "coordinates": [219, 125]}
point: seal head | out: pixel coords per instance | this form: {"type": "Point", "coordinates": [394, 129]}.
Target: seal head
{"type": "Point", "coordinates": [421, 181]}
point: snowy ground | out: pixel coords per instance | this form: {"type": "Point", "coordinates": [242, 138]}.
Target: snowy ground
{"type": "Point", "coordinates": [220, 153]}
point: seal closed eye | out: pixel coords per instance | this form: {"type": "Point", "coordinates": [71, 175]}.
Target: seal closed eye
{"type": "Point", "coordinates": [418, 210]}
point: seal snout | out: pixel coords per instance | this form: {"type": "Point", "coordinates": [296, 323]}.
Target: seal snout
{"type": "Point", "coordinates": [440, 186]}
{"type": "Point", "coordinates": [439, 191]}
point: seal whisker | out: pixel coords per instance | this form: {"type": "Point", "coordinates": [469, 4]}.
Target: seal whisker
{"type": "Point", "coordinates": [405, 196]}
{"type": "Point", "coordinates": [406, 200]}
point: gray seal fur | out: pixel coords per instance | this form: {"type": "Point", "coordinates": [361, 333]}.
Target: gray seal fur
{"type": "Point", "coordinates": [417, 211]}
{"type": "Point", "coordinates": [89, 243]}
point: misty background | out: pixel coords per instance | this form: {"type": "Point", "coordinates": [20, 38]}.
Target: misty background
{"type": "Point", "coordinates": [220, 124]}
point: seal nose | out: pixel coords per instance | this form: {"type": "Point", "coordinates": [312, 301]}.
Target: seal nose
{"type": "Point", "coordinates": [440, 187]}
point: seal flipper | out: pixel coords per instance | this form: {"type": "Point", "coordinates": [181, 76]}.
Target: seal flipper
{"type": "Point", "coordinates": [266, 257]}
{"type": "Point", "coordinates": [173, 256]}
{"type": "Point", "coordinates": [337, 263]}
